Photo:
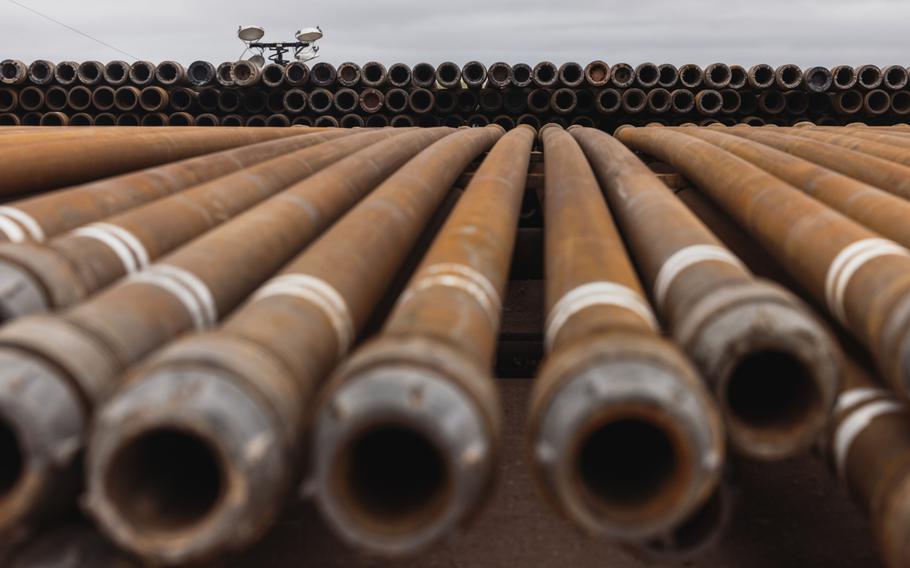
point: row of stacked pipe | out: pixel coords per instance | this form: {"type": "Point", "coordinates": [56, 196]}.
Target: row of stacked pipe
{"type": "Point", "coordinates": [184, 313]}
{"type": "Point", "coordinates": [596, 95]}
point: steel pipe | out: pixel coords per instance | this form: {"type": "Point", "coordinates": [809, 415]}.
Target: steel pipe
{"type": "Point", "coordinates": [622, 75]}
{"type": "Point", "coordinates": [142, 73]}
{"type": "Point", "coordinates": [691, 76]}
{"type": "Point", "coordinates": [521, 75]}
{"type": "Point", "coordinates": [296, 74]}
{"type": "Point", "coordinates": [400, 75]}
{"type": "Point", "coordinates": [760, 76]}
{"type": "Point", "coordinates": [200, 73]}
{"type": "Point", "coordinates": [373, 74]}
{"type": "Point", "coordinates": [13, 72]}
{"type": "Point", "coordinates": [422, 75]}
{"type": "Point", "coordinates": [448, 75]}
{"type": "Point", "coordinates": [499, 75]}
{"type": "Point", "coordinates": [41, 72]}
{"type": "Point", "coordinates": [65, 72]}
{"type": "Point", "coordinates": [349, 74]}
{"type": "Point", "coordinates": [273, 75]}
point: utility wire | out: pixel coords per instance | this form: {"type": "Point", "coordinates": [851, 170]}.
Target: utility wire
{"type": "Point", "coordinates": [73, 29]}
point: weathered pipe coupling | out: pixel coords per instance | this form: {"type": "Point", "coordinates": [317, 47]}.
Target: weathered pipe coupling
{"type": "Point", "coordinates": [499, 75]}
{"type": "Point", "coordinates": [255, 369]}
{"type": "Point", "coordinates": [142, 73]}
{"type": "Point", "coordinates": [862, 278]}
{"type": "Point", "coordinates": [151, 99]}
{"type": "Point", "coordinates": [200, 73]}
{"type": "Point", "coordinates": [563, 101]}
{"type": "Point", "coordinates": [848, 102]}
{"type": "Point", "coordinates": [41, 72]}
{"type": "Point", "coordinates": [622, 75]}
{"type": "Point", "coordinates": [446, 437]}
{"type": "Point", "coordinates": [422, 75]}
{"type": "Point", "coordinates": [65, 72]}
{"type": "Point", "coordinates": [545, 74]}
{"type": "Point", "coordinates": [373, 74]}
{"type": "Point", "coordinates": [75, 360]}
{"type": "Point", "coordinates": [597, 73]}
{"type": "Point", "coordinates": [691, 76]}
{"type": "Point", "coordinates": [13, 72]}
{"type": "Point", "coordinates": [296, 74]}
{"type": "Point", "coordinates": [634, 101]}
{"type": "Point", "coordinates": [708, 102]}
{"type": "Point", "coordinates": [717, 76]}
{"type": "Point", "coordinates": [610, 383]}
{"type": "Point", "coordinates": [448, 75]}
{"type": "Point", "coordinates": [843, 77]}
{"type": "Point", "coordinates": [773, 368]}
{"type": "Point", "coordinates": [68, 269]}
{"type": "Point", "coordinates": [760, 76]}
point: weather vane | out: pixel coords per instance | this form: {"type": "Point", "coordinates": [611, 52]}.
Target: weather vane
{"type": "Point", "coordinates": [304, 48]}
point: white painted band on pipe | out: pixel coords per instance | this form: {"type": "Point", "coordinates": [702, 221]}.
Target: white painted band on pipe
{"type": "Point", "coordinates": [27, 221]}
{"type": "Point", "coordinates": [464, 278]}
{"type": "Point", "coordinates": [121, 249]}
{"type": "Point", "coordinates": [685, 258]}
{"type": "Point", "coordinates": [847, 262]}
{"type": "Point", "coordinates": [166, 280]}
{"type": "Point", "coordinates": [13, 231]}
{"type": "Point", "coordinates": [854, 424]}
{"type": "Point", "coordinates": [596, 294]}
{"type": "Point", "coordinates": [319, 293]}
{"type": "Point", "coordinates": [856, 396]}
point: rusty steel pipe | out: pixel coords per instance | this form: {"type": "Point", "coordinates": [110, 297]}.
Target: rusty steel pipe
{"type": "Point", "coordinates": [59, 163]}
{"type": "Point", "coordinates": [539, 100]}
{"type": "Point", "coordinates": [41, 72]}
{"type": "Point", "coordinates": [868, 77]}
{"type": "Point", "coordinates": [717, 76]}
{"type": "Point", "coordinates": [610, 382]}
{"type": "Point", "coordinates": [520, 75]}
{"type": "Point", "coordinates": [55, 98]}
{"type": "Point", "coordinates": [128, 119]}
{"type": "Point", "coordinates": [82, 119]}
{"type": "Point", "coordinates": [682, 101]}
{"type": "Point", "coordinates": [448, 75]}
{"type": "Point", "coordinates": [607, 101]}
{"type": "Point", "coordinates": [708, 102]}
{"type": "Point", "coordinates": [545, 74]}
{"type": "Point", "coordinates": [622, 75]}
{"type": "Point", "coordinates": [154, 119]}
{"type": "Point", "coordinates": [9, 119]}
{"type": "Point", "coordinates": [396, 100]}
{"type": "Point", "coordinates": [170, 73]}
{"type": "Point", "coordinates": [866, 160]}
{"type": "Point", "coordinates": [900, 103]}
{"type": "Point", "coordinates": [103, 98]}
{"type": "Point", "coordinates": [99, 344]}
{"type": "Point", "coordinates": [380, 121]}
{"type": "Point", "coordinates": [274, 378]}
{"type": "Point", "coordinates": [760, 76]}
{"type": "Point", "coordinates": [731, 101]}
{"type": "Point", "coordinates": [691, 76]}
{"type": "Point", "coordinates": [9, 99]}
{"type": "Point", "coordinates": [563, 101]}
{"type": "Point", "coordinates": [229, 100]}
{"type": "Point", "coordinates": [151, 99]}
{"type": "Point", "coordinates": [868, 448]}
{"type": "Point", "coordinates": [738, 77]}
{"type": "Point", "coordinates": [272, 75]}
{"type": "Point", "coordinates": [667, 75]}
{"type": "Point", "coordinates": [345, 100]}
{"type": "Point", "coordinates": [739, 331]}
{"type": "Point", "coordinates": [187, 119]}
{"type": "Point", "coordinates": [30, 99]}
{"type": "Point", "coordinates": [421, 101]}
{"type": "Point", "coordinates": [796, 102]}
{"type": "Point", "coordinates": [647, 75]}
{"type": "Point", "coordinates": [90, 72]}
{"type": "Point", "coordinates": [142, 73]}
{"type": "Point", "coordinates": [843, 77]}
{"type": "Point", "coordinates": [877, 102]}
{"type": "Point", "coordinates": [878, 210]}
{"type": "Point", "coordinates": [65, 72]}
{"type": "Point", "coordinates": [324, 75]}
{"type": "Point", "coordinates": [817, 79]}
{"type": "Point", "coordinates": [245, 73]}
{"type": "Point", "coordinates": [772, 102]}
{"type": "Point", "coordinates": [373, 74]}
{"type": "Point", "coordinates": [659, 101]}
{"type": "Point", "coordinates": [634, 101]}
{"type": "Point", "coordinates": [13, 72]}
{"type": "Point", "coordinates": [446, 102]}
{"type": "Point", "coordinates": [181, 98]}
{"type": "Point", "coordinates": [200, 73]}
{"type": "Point", "coordinates": [422, 75]}
{"type": "Point", "coordinates": [296, 74]}
{"type": "Point", "coordinates": [499, 75]}
{"type": "Point", "coordinates": [788, 77]}
{"type": "Point", "coordinates": [848, 102]}
{"type": "Point", "coordinates": [79, 98]}
{"type": "Point", "coordinates": [223, 75]}
{"type": "Point", "coordinates": [321, 100]}
{"type": "Point", "coordinates": [371, 100]}
{"type": "Point", "coordinates": [54, 119]}
{"type": "Point", "coordinates": [205, 119]}
{"type": "Point", "coordinates": [400, 75]}
{"type": "Point", "coordinates": [861, 278]}
{"type": "Point", "coordinates": [402, 121]}
{"type": "Point", "coordinates": [895, 77]}
{"type": "Point", "coordinates": [596, 74]}
{"type": "Point", "coordinates": [490, 100]}
{"type": "Point", "coordinates": [464, 273]}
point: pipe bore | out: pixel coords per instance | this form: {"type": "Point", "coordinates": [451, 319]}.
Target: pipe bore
{"type": "Point", "coordinates": [12, 465]}
{"type": "Point", "coordinates": [165, 480]}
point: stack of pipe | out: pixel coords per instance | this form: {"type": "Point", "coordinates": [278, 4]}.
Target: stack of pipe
{"type": "Point", "coordinates": [594, 95]}
{"type": "Point", "coordinates": [193, 332]}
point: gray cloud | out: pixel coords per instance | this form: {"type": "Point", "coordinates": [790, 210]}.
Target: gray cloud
{"type": "Point", "coordinates": [806, 32]}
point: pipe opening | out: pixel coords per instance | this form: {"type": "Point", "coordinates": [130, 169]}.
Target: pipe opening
{"type": "Point", "coordinates": [499, 73]}
{"type": "Point", "coordinates": [377, 121]}
{"type": "Point", "coordinates": [790, 76]}
{"type": "Point", "coordinates": [521, 74]}
{"type": "Point", "coordinates": [571, 73]}
{"type": "Point", "coordinates": [608, 100]}
{"type": "Point", "coordinates": [394, 477]}
{"type": "Point", "coordinates": [40, 70]}
{"type": "Point", "coordinates": [199, 73]}
{"type": "Point", "coordinates": [373, 72]}
{"type": "Point", "coordinates": [900, 102]}
{"type": "Point", "coordinates": [150, 98]}
{"type": "Point", "coordinates": [347, 121]}
{"type": "Point", "coordinates": [627, 463]}
{"type": "Point", "coordinates": [668, 75]}
{"type": "Point", "coordinates": [396, 100]}
{"type": "Point", "coordinates": [690, 75]}
{"type": "Point", "coordinates": [545, 73]}
{"type": "Point", "coordinates": [232, 120]}
{"type": "Point", "coordinates": [445, 101]}
{"type": "Point", "coordinates": [12, 464]}
{"type": "Point", "coordinates": [141, 73]}
{"type": "Point", "coordinates": [81, 119]}
{"type": "Point", "coordinates": [648, 74]}
{"type": "Point", "coordinates": [737, 77]}
{"type": "Point", "coordinates": [878, 101]}
{"type": "Point", "coordinates": [402, 121]}
{"type": "Point", "coordinates": [400, 75]}
{"type": "Point", "coordinates": [473, 72]}
{"type": "Point", "coordinates": [179, 119]}
{"type": "Point", "coordinates": [129, 119]}
{"type": "Point", "coordinates": [346, 100]}
{"type": "Point", "coordinates": [242, 72]}
{"type": "Point", "coordinates": [772, 389]}
{"type": "Point", "coordinates": [80, 98]}
{"type": "Point", "coordinates": [167, 72]}
{"type": "Point", "coordinates": [323, 73]}
{"type": "Point", "coordinates": [371, 101]}
{"type": "Point", "coordinates": [90, 71]}
{"type": "Point", "coordinates": [65, 73]}
{"type": "Point", "coordinates": [869, 77]}
{"type": "Point", "coordinates": [9, 70]}
{"type": "Point", "coordinates": [622, 74]}
{"type": "Point", "coordinates": [564, 99]}
{"type": "Point", "coordinates": [181, 99]}
{"type": "Point", "coordinates": [294, 101]}
{"type": "Point", "coordinates": [467, 100]}
{"type": "Point", "coordinates": [422, 72]}
{"type": "Point", "coordinates": [762, 75]}
{"type": "Point", "coordinates": [206, 120]}
{"type": "Point", "coordinates": [296, 73]}
{"type": "Point", "coordinates": [818, 79]}
{"type": "Point", "coordinates": [683, 101]}
{"type": "Point", "coordinates": [273, 74]}
{"type": "Point", "coordinates": [55, 98]}
{"type": "Point", "coordinates": [154, 119]}
{"type": "Point", "coordinates": [104, 97]}
{"type": "Point", "coordinates": [320, 101]}
{"type": "Point", "coordinates": [447, 72]}
{"type": "Point", "coordinates": [421, 100]}
{"type": "Point", "coordinates": [844, 77]}
{"type": "Point", "coordinates": [896, 77]}
{"type": "Point", "coordinates": [224, 74]}
{"type": "Point", "coordinates": [539, 100]}
{"type": "Point", "coordinates": [719, 74]}
{"type": "Point", "coordinates": [7, 101]}
{"type": "Point", "coordinates": [659, 100]}
{"type": "Point", "coordinates": [30, 98]}
{"type": "Point", "coordinates": [851, 101]}
{"type": "Point", "coordinates": [165, 480]}
{"type": "Point", "coordinates": [53, 119]}
{"type": "Point", "coordinates": [634, 99]}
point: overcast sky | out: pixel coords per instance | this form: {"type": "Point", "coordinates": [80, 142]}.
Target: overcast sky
{"type": "Point", "coordinates": [806, 32]}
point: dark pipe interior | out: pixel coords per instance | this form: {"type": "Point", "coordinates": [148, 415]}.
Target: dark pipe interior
{"type": "Point", "coordinates": [90, 71]}
{"type": "Point", "coordinates": [320, 101]}
{"type": "Point", "coordinates": [345, 100]}
{"type": "Point", "coordinates": [199, 73]}
{"type": "Point", "coordinates": [878, 101]}
{"type": "Point", "coordinates": [844, 76]}
{"type": "Point", "coordinates": [790, 75]}
{"type": "Point", "coordinates": [40, 70]}
{"type": "Point", "coordinates": [571, 73]}
{"type": "Point", "coordinates": [521, 74]}
{"type": "Point", "coordinates": [421, 100]}
{"type": "Point", "coordinates": [634, 99]}
{"type": "Point", "coordinates": [153, 119]}
{"type": "Point", "coordinates": [66, 72]}
{"type": "Point", "coordinates": [473, 72]}
{"type": "Point", "coordinates": [626, 463]}
{"type": "Point", "coordinates": [52, 119]}
{"type": "Point", "coordinates": [668, 75]}
{"type": "Point", "coordinates": [105, 119]}
{"type": "Point", "coordinates": [9, 70]}
{"type": "Point", "coordinates": [323, 73]}
{"type": "Point", "coordinates": [500, 73]}
{"type": "Point", "coordinates": [80, 98]}
{"type": "Point", "coordinates": [659, 100]}
{"type": "Point", "coordinates": [900, 101]}
{"type": "Point", "coordinates": [719, 74]}
{"type": "Point", "coordinates": [181, 99]}
{"type": "Point", "coordinates": [224, 73]}
{"type": "Point", "coordinates": [165, 480]}
{"type": "Point", "coordinates": [771, 389]}
{"type": "Point", "coordinates": [394, 475]}
{"type": "Point", "coordinates": [396, 100]}
{"type": "Point", "coordinates": [869, 76]}
{"type": "Point", "coordinates": [565, 99]}
{"type": "Point", "coordinates": [115, 72]}
{"type": "Point", "coordinates": [142, 73]}
{"type": "Point", "coordinates": [817, 79]}
{"type": "Point", "coordinates": [896, 77]}
{"type": "Point", "coordinates": [622, 74]}
{"type": "Point", "coordinates": [448, 72]}
{"type": "Point", "coordinates": [648, 74]}
{"type": "Point", "coordinates": [545, 73]}
{"type": "Point", "coordinates": [273, 74]}
{"type": "Point", "coordinates": [296, 73]}
{"type": "Point", "coordinates": [149, 97]}
{"type": "Point", "coordinates": [372, 72]}
{"type": "Point", "coordinates": [167, 71]}
{"type": "Point", "coordinates": [55, 98]}
{"type": "Point", "coordinates": [424, 73]}
{"type": "Point", "coordinates": [232, 120]}
{"type": "Point", "coordinates": [540, 99]}
{"type": "Point", "coordinates": [763, 75]}
{"type": "Point", "coordinates": [347, 121]}
{"type": "Point", "coordinates": [400, 75]}
{"type": "Point", "coordinates": [682, 100]}
{"type": "Point", "coordinates": [28, 98]}
{"type": "Point", "coordinates": [6, 99]}
{"type": "Point", "coordinates": [179, 120]}
{"type": "Point", "coordinates": [295, 101]}
{"type": "Point", "coordinates": [609, 99]}
{"type": "Point", "coordinates": [242, 72]}
{"type": "Point", "coordinates": [851, 100]}
{"type": "Point", "coordinates": [12, 462]}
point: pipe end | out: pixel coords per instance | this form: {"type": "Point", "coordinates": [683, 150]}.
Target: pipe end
{"type": "Point", "coordinates": [20, 293]}
{"type": "Point", "coordinates": [628, 448]}
{"type": "Point", "coordinates": [774, 369]}
{"type": "Point", "coordinates": [42, 423]}
{"type": "Point", "coordinates": [402, 458]}
{"type": "Point", "coordinates": [184, 465]}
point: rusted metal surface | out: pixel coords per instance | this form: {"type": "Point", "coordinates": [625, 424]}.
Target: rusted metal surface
{"type": "Point", "coordinates": [773, 369]}
{"type": "Point", "coordinates": [255, 369]}
{"type": "Point", "coordinates": [609, 379]}
{"type": "Point", "coordinates": [861, 278]}
{"type": "Point", "coordinates": [82, 353]}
